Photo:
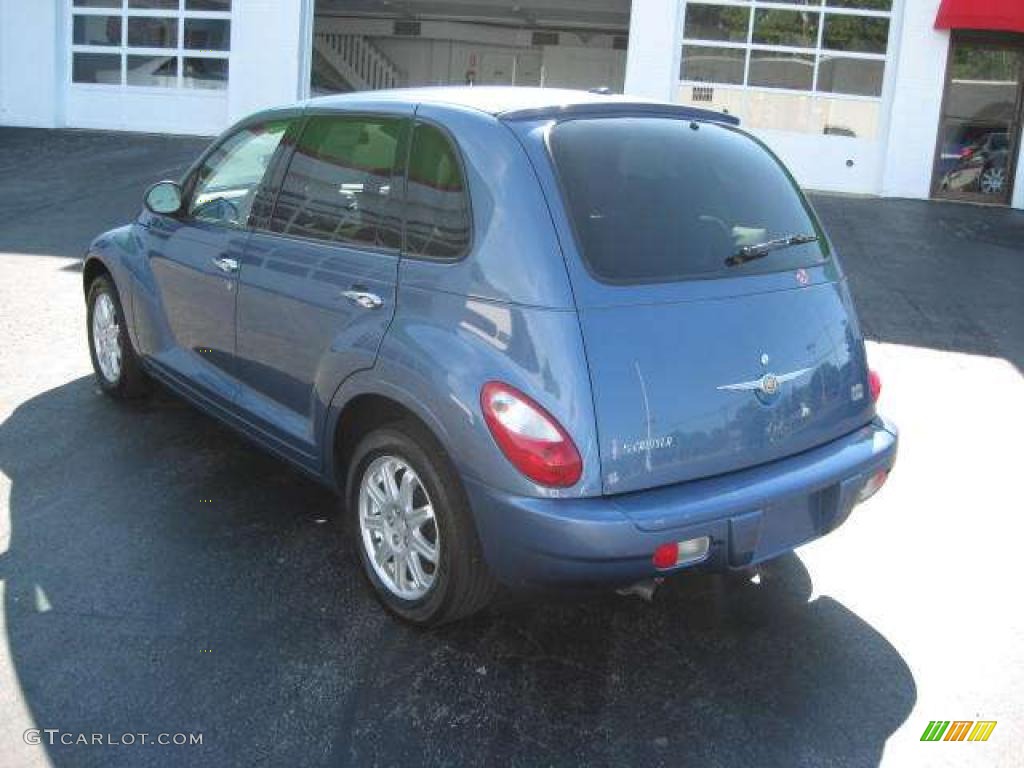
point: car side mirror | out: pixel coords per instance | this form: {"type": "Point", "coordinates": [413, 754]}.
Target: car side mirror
{"type": "Point", "coordinates": [164, 197]}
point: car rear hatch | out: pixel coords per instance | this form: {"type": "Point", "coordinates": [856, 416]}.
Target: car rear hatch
{"type": "Point", "coordinates": [709, 351]}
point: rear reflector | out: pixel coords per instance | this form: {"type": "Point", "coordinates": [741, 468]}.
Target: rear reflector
{"type": "Point", "coordinates": [875, 384]}
{"type": "Point", "coordinates": [678, 553]}
{"type": "Point", "coordinates": [873, 485]}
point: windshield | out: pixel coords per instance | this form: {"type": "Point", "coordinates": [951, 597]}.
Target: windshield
{"type": "Point", "coordinates": [656, 199]}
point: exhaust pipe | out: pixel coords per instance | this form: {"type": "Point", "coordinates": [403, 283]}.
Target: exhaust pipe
{"type": "Point", "coordinates": [642, 589]}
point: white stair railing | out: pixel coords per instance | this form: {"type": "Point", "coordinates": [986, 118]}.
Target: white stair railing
{"type": "Point", "coordinates": [358, 61]}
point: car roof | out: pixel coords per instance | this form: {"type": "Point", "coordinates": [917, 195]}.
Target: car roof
{"type": "Point", "coordinates": [515, 101]}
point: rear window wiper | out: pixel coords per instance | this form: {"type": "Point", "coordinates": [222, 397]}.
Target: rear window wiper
{"type": "Point", "coordinates": [760, 250]}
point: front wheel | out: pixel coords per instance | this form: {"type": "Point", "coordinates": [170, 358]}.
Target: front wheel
{"type": "Point", "coordinates": [413, 528]}
{"type": "Point", "coordinates": [117, 367]}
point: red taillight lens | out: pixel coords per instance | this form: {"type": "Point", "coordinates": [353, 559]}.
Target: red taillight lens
{"type": "Point", "coordinates": [875, 383]}
{"type": "Point", "coordinates": [530, 437]}
{"type": "Point", "coordinates": [666, 556]}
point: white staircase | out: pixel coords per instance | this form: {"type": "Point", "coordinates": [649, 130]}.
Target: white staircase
{"type": "Point", "coordinates": [358, 61]}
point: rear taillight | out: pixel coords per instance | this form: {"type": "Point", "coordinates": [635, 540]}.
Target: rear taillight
{"type": "Point", "coordinates": [530, 437]}
{"type": "Point", "coordinates": [875, 384]}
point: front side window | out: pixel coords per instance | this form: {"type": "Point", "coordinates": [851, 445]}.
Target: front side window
{"type": "Point", "coordinates": [341, 185]}
{"type": "Point", "coordinates": [437, 218]}
{"type": "Point", "coordinates": [226, 184]}
{"type": "Point", "coordinates": [654, 199]}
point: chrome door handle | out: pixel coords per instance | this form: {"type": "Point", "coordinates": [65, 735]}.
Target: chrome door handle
{"type": "Point", "coordinates": [229, 266]}
{"type": "Point", "coordinates": [364, 299]}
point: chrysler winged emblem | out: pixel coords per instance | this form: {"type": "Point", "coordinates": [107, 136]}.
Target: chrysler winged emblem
{"type": "Point", "coordinates": [766, 385]}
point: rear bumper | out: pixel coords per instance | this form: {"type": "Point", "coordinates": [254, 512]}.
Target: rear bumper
{"type": "Point", "coordinates": [750, 516]}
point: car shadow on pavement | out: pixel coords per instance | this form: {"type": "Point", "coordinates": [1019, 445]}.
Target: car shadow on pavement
{"type": "Point", "coordinates": [165, 577]}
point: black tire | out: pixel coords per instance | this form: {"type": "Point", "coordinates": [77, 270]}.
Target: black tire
{"type": "Point", "coordinates": [131, 381]}
{"type": "Point", "coordinates": [463, 584]}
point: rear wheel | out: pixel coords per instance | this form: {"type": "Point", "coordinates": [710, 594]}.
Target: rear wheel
{"type": "Point", "coordinates": [413, 528]}
{"type": "Point", "coordinates": [993, 180]}
{"type": "Point", "coordinates": [114, 361]}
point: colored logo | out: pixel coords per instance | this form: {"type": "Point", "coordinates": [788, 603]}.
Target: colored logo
{"type": "Point", "coordinates": [958, 730]}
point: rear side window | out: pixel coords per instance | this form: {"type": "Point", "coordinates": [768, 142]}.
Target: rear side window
{"type": "Point", "coordinates": [437, 218]}
{"type": "Point", "coordinates": [341, 184]}
{"type": "Point", "coordinates": [654, 199]}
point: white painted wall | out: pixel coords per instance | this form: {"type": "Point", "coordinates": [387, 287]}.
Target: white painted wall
{"type": "Point", "coordinates": [30, 63]}
{"type": "Point", "coordinates": [655, 48]}
{"type": "Point", "coordinates": [827, 163]}
{"type": "Point", "coordinates": [152, 110]}
{"type": "Point", "coordinates": [918, 75]}
{"type": "Point", "coordinates": [268, 48]}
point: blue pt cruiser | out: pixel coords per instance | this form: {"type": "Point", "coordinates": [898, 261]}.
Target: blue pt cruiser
{"type": "Point", "coordinates": [530, 336]}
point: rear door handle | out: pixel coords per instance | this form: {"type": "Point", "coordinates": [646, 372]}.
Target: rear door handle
{"type": "Point", "coordinates": [228, 266]}
{"type": "Point", "coordinates": [364, 299]}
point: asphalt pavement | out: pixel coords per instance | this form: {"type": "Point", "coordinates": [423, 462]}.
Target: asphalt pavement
{"type": "Point", "coordinates": [159, 575]}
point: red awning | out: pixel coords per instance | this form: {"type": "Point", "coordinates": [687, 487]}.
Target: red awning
{"type": "Point", "coordinates": [1001, 15]}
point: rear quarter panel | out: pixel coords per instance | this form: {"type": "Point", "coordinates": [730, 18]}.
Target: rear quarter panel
{"type": "Point", "coordinates": [504, 312]}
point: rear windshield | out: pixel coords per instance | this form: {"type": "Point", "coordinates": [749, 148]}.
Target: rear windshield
{"type": "Point", "coordinates": [656, 199]}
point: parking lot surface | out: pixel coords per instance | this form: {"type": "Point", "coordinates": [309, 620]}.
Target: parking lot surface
{"type": "Point", "coordinates": [161, 576]}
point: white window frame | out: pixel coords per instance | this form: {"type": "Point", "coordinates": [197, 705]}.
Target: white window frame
{"type": "Point", "coordinates": [817, 51]}
{"type": "Point", "coordinates": [180, 52]}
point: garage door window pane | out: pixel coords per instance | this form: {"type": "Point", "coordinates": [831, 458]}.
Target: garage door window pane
{"type": "Point", "coordinates": [207, 34]}
{"type": "Point", "coordinates": [855, 33]}
{"type": "Point", "coordinates": [97, 3]}
{"type": "Point", "coordinates": [796, 28]}
{"type": "Point", "coordinates": [97, 30]}
{"type": "Point", "coordinates": [171, 5]}
{"type": "Point", "coordinates": [437, 207]}
{"type": "Point", "coordinates": [716, 22]}
{"type": "Point", "coordinates": [713, 65]}
{"type": "Point", "coordinates": [863, 5]}
{"type": "Point", "coordinates": [146, 32]}
{"type": "Point", "coordinates": [340, 185]}
{"type": "Point", "coordinates": [153, 71]}
{"type": "Point", "coordinates": [208, 5]}
{"type": "Point", "coordinates": [775, 69]}
{"type": "Point", "coordinates": [206, 73]}
{"type": "Point", "coordinates": [96, 68]}
{"type": "Point", "coordinates": [859, 77]}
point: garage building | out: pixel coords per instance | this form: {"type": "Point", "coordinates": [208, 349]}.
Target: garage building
{"type": "Point", "coordinates": [907, 98]}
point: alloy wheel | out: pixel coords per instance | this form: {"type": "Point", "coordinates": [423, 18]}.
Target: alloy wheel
{"type": "Point", "coordinates": [106, 338]}
{"type": "Point", "coordinates": [993, 181]}
{"type": "Point", "coordinates": [398, 528]}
